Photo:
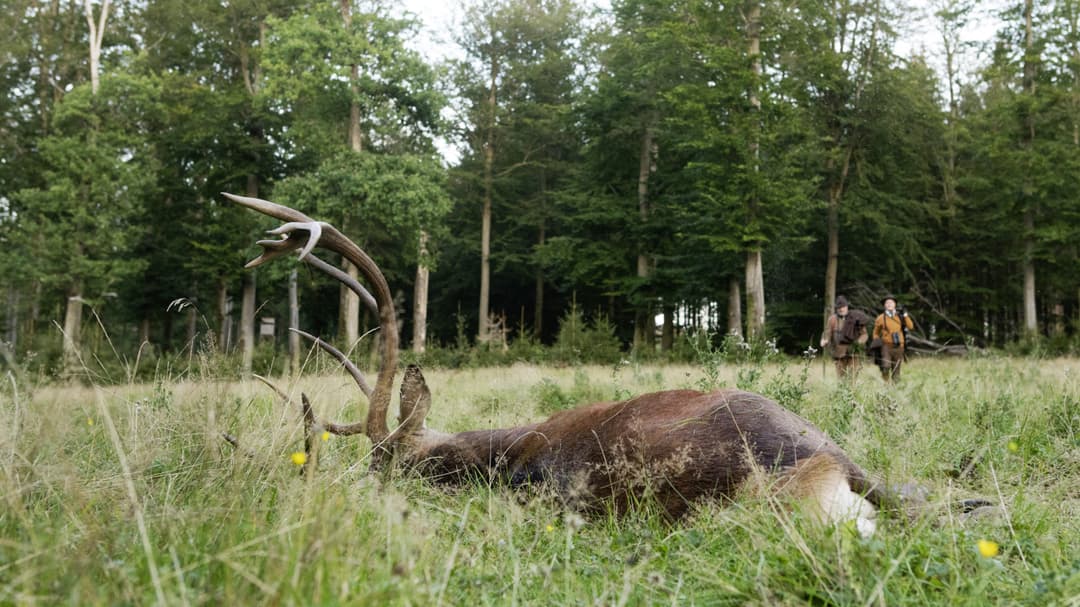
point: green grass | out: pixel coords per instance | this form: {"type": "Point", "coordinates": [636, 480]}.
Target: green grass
{"type": "Point", "coordinates": [128, 495]}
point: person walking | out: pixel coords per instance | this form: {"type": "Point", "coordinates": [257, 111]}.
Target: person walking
{"type": "Point", "coordinates": [845, 329]}
{"type": "Point", "coordinates": [891, 327]}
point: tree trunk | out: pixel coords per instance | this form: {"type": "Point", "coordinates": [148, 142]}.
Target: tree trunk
{"type": "Point", "coordinates": [44, 88]}
{"type": "Point", "coordinates": [538, 313]}
{"type": "Point", "coordinates": [952, 17]}
{"type": "Point", "coordinates": [836, 193]}
{"type": "Point", "coordinates": [420, 299]}
{"type": "Point", "coordinates": [1057, 328]}
{"type": "Point", "coordinates": [13, 317]}
{"type": "Point", "coordinates": [951, 42]}
{"type": "Point", "coordinates": [644, 323]}
{"type": "Point", "coordinates": [252, 74]}
{"type": "Point", "coordinates": [541, 238]}
{"type": "Point", "coordinates": [356, 141]}
{"type": "Point", "coordinates": [667, 336]}
{"type": "Point", "coordinates": [1031, 325]}
{"type": "Point", "coordinates": [247, 305]}
{"type": "Point", "coordinates": [349, 308]}
{"type": "Point", "coordinates": [73, 327]}
{"type": "Point", "coordinates": [247, 324]}
{"type": "Point", "coordinates": [294, 323]}
{"type": "Point", "coordinates": [833, 255]}
{"type": "Point", "coordinates": [349, 302]}
{"type": "Point", "coordinates": [734, 311]}
{"type": "Point", "coordinates": [144, 331]}
{"type": "Point", "coordinates": [1030, 316]}
{"type": "Point", "coordinates": [755, 281]}
{"type": "Point", "coordinates": [224, 322]}
{"type": "Point", "coordinates": [192, 330]}
{"type": "Point", "coordinates": [485, 229]}
{"type": "Point", "coordinates": [35, 312]}
{"type": "Point", "coordinates": [755, 295]}
{"type": "Point", "coordinates": [1074, 35]}
{"type": "Point", "coordinates": [485, 256]}
{"type": "Point", "coordinates": [97, 32]}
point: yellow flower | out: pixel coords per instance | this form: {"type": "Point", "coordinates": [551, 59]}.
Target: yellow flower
{"type": "Point", "coordinates": [1013, 446]}
{"type": "Point", "coordinates": [299, 458]}
{"type": "Point", "coordinates": [325, 436]}
{"type": "Point", "coordinates": [89, 421]}
{"type": "Point", "coordinates": [988, 548]}
{"type": "Point", "coordinates": [549, 528]}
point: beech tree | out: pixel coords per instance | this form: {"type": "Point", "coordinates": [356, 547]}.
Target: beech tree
{"type": "Point", "coordinates": [374, 96]}
{"type": "Point", "coordinates": [99, 173]}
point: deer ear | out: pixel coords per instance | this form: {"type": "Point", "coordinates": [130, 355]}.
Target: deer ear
{"type": "Point", "coordinates": [415, 401]}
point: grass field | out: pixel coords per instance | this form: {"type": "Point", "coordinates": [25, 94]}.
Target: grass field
{"type": "Point", "coordinates": [128, 495]}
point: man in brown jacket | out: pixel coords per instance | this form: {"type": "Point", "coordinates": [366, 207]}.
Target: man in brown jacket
{"type": "Point", "coordinates": [847, 364]}
{"type": "Point", "coordinates": [891, 328]}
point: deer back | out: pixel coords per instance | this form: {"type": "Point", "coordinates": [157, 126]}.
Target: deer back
{"type": "Point", "coordinates": [677, 445]}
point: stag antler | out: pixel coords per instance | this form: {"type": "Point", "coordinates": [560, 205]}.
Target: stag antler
{"type": "Point", "coordinates": [304, 233]}
{"type": "Point", "coordinates": [357, 376]}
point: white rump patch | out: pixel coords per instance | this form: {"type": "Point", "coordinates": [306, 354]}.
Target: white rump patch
{"type": "Point", "coordinates": [821, 484]}
{"type": "Point", "coordinates": [835, 503]}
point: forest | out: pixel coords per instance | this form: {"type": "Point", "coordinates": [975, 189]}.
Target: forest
{"type": "Point", "coordinates": [651, 171]}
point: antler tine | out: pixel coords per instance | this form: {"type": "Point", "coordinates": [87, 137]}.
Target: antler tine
{"type": "Point", "coordinates": [277, 248]}
{"type": "Point", "coordinates": [340, 356]}
{"type": "Point", "coordinates": [308, 413]}
{"type": "Point", "coordinates": [345, 279]}
{"type": "Point", "coordinates": [313, 228]}
{"type": "Point", "coordinates": [310, 444]}
{"type": "Point", "coordinates": [288, 242]}
{"type": "Point", "coordinates": [266, 207]}
{"type": "Point", "coordinates": [273, 387]}
{"type": "Point", "coordinates": [273, 249]}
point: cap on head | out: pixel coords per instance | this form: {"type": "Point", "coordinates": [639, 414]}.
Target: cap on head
{"type": "Point", "coordinates": [841, 302]}
{"type": "Point", "coordinates": [887, 298]}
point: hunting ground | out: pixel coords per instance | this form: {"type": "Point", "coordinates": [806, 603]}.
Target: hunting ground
{"type": "Point", "coordinates": [127, 494]}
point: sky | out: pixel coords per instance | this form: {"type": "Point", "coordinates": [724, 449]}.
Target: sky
{"type": "Point", "coordinates": [439, 16]}
{"type": "Point", "coordinates": [922, 34]}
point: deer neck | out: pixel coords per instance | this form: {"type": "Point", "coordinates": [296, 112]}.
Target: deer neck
{"type": "Point", "coordinates": [509, 454]}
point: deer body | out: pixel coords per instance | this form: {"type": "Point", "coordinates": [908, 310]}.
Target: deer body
{"type": "Point", "coordinates": [677, 445]}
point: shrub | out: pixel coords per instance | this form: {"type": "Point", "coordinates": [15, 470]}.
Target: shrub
{"type": "Point", "coordinates": [579, 341]}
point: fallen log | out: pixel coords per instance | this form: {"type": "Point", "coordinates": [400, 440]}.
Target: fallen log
{"type": "Point", "coordinates": [925, 347]}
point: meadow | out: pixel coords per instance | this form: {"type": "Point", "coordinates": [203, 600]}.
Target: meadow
{"type": "Point", "coordinates": [128, 495]}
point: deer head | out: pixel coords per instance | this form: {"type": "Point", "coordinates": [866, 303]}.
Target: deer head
{"type": "Point", "coordinates": [675, 445]}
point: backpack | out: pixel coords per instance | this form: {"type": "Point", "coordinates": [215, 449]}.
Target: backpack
{"type": "Point", "coordinates": [853, 326]}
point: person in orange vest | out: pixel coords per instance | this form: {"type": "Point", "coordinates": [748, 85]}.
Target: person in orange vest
{"type": "Point", "coordinates": [891, 328]}
{"type": "Point", "coordinates": [843, 341]}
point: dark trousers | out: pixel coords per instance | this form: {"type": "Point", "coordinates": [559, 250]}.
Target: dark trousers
{"type": "Point", "coordinates": [891, 359]}
{"type": "Point", "coordinates": [846, 366]}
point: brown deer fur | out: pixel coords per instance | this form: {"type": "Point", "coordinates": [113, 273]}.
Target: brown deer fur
{"type": "Point", "coordinates": [677, 446]}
